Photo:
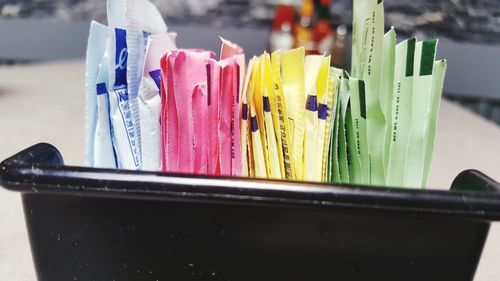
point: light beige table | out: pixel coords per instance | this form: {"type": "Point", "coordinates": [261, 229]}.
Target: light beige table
{"type": "Point", "coordinates": [45, 103]}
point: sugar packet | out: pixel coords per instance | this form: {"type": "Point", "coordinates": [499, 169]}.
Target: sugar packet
{"type": "Point", "coordinates": [149, 100]}
{"type": "Point", "coordinates": [96, 47]}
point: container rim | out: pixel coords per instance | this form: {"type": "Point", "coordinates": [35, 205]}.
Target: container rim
{"type": "Point", "coordinates": [40, 169]}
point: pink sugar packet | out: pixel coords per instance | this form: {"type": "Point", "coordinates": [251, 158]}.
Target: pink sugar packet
{"type": "Point", "coordinates": [183, 70]}
{"type": "Point", "coordinates": [226, 121]}
{"type": "Point", "coordinates": [213, 91]}
{"type": "Point", "coordinates": [200, 123]}
{"type": "Point", "coordinates": [233, 54]}
{"type": "Point", "coordinates": [169, 147]}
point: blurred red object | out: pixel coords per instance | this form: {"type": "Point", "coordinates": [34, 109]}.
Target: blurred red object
{"type": "Point", "coordinates": [282, 28]}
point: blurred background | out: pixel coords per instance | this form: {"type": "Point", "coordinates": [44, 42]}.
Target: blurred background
{"type": "Point", "coordinates": [469, 32]}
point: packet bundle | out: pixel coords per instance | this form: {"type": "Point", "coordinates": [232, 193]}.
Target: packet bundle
{"type": "Point", "coordinates": [276, 104]}
{"type": "Point", "coordinates": [417, 87]}
{"type": "Point", "coordinates": [392, 105]}
{"type": "Point", "coordinates": [288, 116]}
{"type": "Point", "coordinates": [181, 71]}
{"type": "Point", "coordinates": [201, 111]}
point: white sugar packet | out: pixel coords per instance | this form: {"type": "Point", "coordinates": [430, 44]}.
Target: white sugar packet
{"type": "Point", "coordinates": [96, 47]}
{"type": "Point", "coordinates": [149, 100]}
{"type": "Point", "coordinates": [104, 154]}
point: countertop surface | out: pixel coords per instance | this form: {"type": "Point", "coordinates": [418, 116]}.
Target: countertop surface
{"type": "Point", "coordinates": [45, 103]}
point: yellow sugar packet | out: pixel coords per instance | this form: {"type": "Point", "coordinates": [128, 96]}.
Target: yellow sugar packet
{"type": "Point", "coordinates": [312, 67]}
{"type": "Point", "coordinates": [269, 86]}
{"type": "Point", "coordinates": [323, 93]}
{"type": "Point", "coordinates": [268, 132]}
{"type": "Point", "coordinates": [245, 167]}
{"type": "Point", "coordinates": [295, 100]}
{"type": "Point", "coordinates": [258, 163]}
{"type": "Point", "coordinates": [281, 117]}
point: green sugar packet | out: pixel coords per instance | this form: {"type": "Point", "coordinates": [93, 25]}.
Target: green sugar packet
{"type": "Point", "coordinates": [342, 127]}
{"type": "Point", "coordinates": [425, 54]}
{"type": "Point", "coordinates": [358, 143]}
{"type": "Point", "coordinates": [353, 160]}
{"type": "Point", "coordinates": [368, 33]}
{"type": "Point", "coordinates": [401, 111]}
{"type": "Point", "coordinates": [439, 71]}
{"type": "Point", "coordinates": [333, 172]}
{"type": "Point", "coordinates": [386, 88]}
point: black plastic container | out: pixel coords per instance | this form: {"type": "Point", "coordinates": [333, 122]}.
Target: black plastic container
{"type": "Point", "coordinates": [98, 224]}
